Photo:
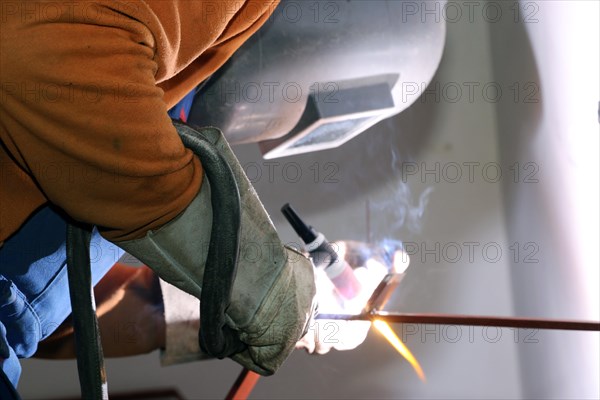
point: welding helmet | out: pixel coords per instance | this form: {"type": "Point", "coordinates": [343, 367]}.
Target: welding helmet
{"type": "Point", "coordinates": [318, 73]}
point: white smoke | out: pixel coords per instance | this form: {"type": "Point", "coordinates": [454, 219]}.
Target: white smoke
{"type": "Point", "coordinates": [401, 208]}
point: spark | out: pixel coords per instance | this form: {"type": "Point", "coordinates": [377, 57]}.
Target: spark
{"type": "Point", "coordinates": [389, 334]}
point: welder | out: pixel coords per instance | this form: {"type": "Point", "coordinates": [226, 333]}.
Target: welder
{"type": "Point", "coordinates": [85, 138]}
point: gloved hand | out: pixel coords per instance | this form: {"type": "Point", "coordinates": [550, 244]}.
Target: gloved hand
{"type": "Point", "coordinates": [272, 296]}
{"type": "Point", "coordinates": [370, 264]}
{"type": "Point", "coordinates": [326, 334]}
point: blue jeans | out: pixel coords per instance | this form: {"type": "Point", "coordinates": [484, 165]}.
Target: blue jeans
{"type": "Point", "coordinates": [34, 289]}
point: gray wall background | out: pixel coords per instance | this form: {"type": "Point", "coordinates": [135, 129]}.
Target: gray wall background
{"type": "Point", "coordinates": [376, 171]}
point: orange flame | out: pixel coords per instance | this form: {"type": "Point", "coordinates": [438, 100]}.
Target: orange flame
{"type": "Point", "coordinates": [389, 334]}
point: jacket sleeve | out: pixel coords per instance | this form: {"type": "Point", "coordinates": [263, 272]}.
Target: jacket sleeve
{"type": "Point", "coordinates": [82, 115]}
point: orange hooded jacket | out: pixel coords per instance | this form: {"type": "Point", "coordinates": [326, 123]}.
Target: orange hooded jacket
{"type": "Point", "coordinates": [84, 93]}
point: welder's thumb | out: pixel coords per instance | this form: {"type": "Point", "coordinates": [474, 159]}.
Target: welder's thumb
{"type": "Point", "coordinates": [281, 319]}
{"type": "Point", "coordinates": [324, 335]}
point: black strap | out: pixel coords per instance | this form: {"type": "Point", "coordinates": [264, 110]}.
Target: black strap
{"type": "Point", "coordinates": [216, 337]}
{"type": "Point", "coordinates": [90, 360]}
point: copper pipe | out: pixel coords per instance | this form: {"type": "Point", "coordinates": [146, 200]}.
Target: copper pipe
{"type": "Point", "coordinates": [471, 320]}
{"type": "Point", "coordinates": [243, 386]}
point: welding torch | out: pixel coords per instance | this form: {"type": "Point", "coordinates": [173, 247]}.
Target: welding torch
{"type": "Point", "coordinates": [347, 285]}
{"type": "Point", "coordinates": [324, 256]}
{"type": "Point", "coordinates": [342, 276]}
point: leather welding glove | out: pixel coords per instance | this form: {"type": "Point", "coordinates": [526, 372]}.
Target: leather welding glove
{"type": "Point", "coordinates": [273, 292]}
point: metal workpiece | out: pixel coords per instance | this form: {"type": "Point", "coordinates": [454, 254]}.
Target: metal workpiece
{"type": "Point", "coordinates": [469, 320]}
{"type": "Point", "coordinates": [374, 310]}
